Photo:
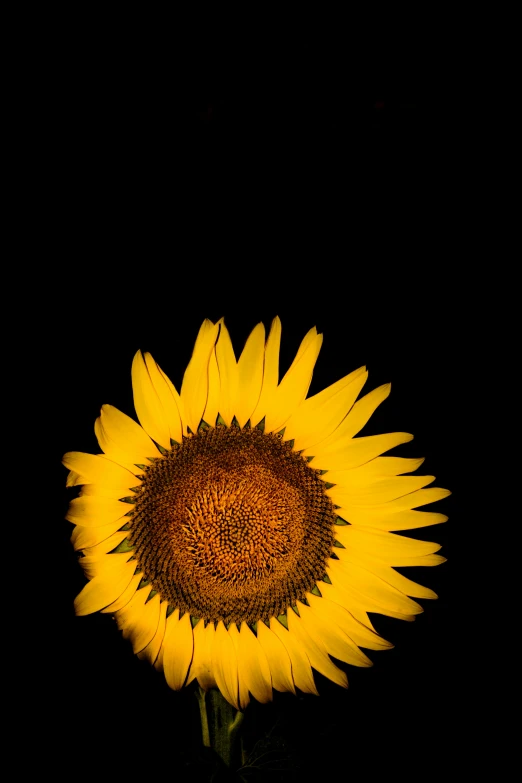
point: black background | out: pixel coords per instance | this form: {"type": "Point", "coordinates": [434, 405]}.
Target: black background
{"type": "Point", "coordinates": [300, 179]}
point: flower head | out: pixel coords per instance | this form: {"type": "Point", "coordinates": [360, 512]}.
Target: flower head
{"type": "Point", "coordinates": [243, 533]}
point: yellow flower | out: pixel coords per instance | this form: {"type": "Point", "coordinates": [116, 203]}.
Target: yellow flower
{"type": "Point", "coordinates": [241, 535]}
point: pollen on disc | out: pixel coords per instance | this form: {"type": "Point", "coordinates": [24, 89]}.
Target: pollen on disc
{"type": "Point", "coordinates": [232, 525]}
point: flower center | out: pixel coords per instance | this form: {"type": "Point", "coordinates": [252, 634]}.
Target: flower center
{"type": "Point", "coordinates": [232, 525]}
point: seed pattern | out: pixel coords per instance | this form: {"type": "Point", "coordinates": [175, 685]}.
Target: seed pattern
{"type": "Point", "coordinates": [232, 525]}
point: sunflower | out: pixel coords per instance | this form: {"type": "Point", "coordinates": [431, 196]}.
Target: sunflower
{"type": "Point", "coordinates": [241, 533]}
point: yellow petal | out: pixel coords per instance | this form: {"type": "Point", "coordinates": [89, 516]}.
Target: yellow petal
{"type": "Point", "coordinates": [294, 387]}
{"type": "Point", "coordinates": [332, 612]}
{"type": "Point", "coordinates": [126, 596]}
{"type": "Point", "coordinates": [423, 560]}
{"type": "Point", "coordinates": [359, 415]}
{"type": "Point", "coordinates": [139, 619]}
{"type": "Point", "coordinates": [107, 545]}
{"type": "Point", "coordinates": [307, 340]}
{"type": "Point", "coordinates": [151, 651]}
{"type": "Point", "coordinates": [101, 564]}
{"type": "Point", "coordinates": [224, 665]}
{"type": "Point", "coordinates": [330, 638]}
{"type": "Point", "coordinates": [320, 415]}
{"type": "Point", "coordinates": [394, 560]}
{"type": "Point", "coordinates": [389, 575]}
{"type": "Point", "coordinates": [101, 491]}
{"type": "Point", "coordinates": [270, 372]}
{"type": "Point", "coordinates": [403, 584]}
{"type": "Point", "coordinates": [201, 666]}
{"type": "Point", "coordinates": [206, 676]}
{"type": "Point", "coordinates": [158, 663]}
{"type": "Point", "coordinates": [354, 380]}
{"type": "Point", "coordinates": [351, 601]}
{"type": "Point", "coordinates": [421, 497]}
{"type": "Point", "coordinates": [317, 657]}
{"type": "Point", "coordinates": [277, 657]}
{"type": "Point", "coordinates": [352, 453]}
{"type": "Point", "coordinates": [379, 491]}
{"type": "Point", "coordinates": [147, 403]}
{"type": "Point", "coordinates": [131, 612]}
{"type": "Point", "coordinates": [194, 387]}
{"type": "Point", "coordinates": [244, 696]}
{"type": "Point", "coordinates": [122, 439]}
{"type": "Point", "coordinates": [91, 511]}
{"type": "Point", "coordinates": [97, 469]}
{"type": "Point", "coordinates": [73, 479]}
{"type": "Point", "coordinates": [380, 467]}
{"type": "Point", "coordinates": [253, 666]}
{"type": "Point", "coordinates": [401, 520]}
{"type": "Point", "coordinates": [250, 375]}
{"type": "Point", "coordinates": [228, 375]}
{"type": "Point", "coordinates": [169, 399]}
{"type": "Point", "coordinates": [301, 670]}
{"type": "Point", "coordinates": [382, 546]}
{"type": "Point", "coordinates": [351, 575]}
{"type": "Point", "coordinates": [211, 411]}
{"type": "Point", "coordinates": [103, 590]}
{"type": "Point", "coordinates": [178, 647]}
{"type": "Point", "coordinates": [83, 537]}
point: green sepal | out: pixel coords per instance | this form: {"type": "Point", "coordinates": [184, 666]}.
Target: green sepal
{"type": "Point", "coordinates": [173, 443]}
{"type": "Point", "coordinates": [141, 467]}
{"type": "Point", "coordinates": [194, 621]}
{"type": "Point", "coordinates": [328, 484]}
{"type": "Point", "coordinates": [151, 595]}
{"type": "Point", "coordinates": [144, 582]}
{"type": "Point", "coordinates": [296, 610]}
{"type": "Point", "coordinates": [282, 619]}
{"type": "Point", "coordinates": [129, 499]}
{"type": "Point", "coordinates": [203, 426]}
{"type": "Point", "coordinates": [327, 579]}
{"type": "Point", "coordinates": [315, 590]}
{"type": "Point", "coordinates": [309, 459]}
{"type": "Point", "coordinates": [123, 546]}
{"type": "Point", "coordinates": [280, 433]}
{"type": "Point", "coordinates": [170, 609]}
{"type": "Point", "coordinates": [340, 521]}
{"type": "Point", "coordinates": [235, 423]}
{"type": "Point", "coordinates": [220, 421]}
{"type": "Point", "coordinates": [339, 545]}
{"type": "Point", "coordinates": [126, 527]}
{"type": "Point", "coordinates": [290, 443]}
{"type": "Point", "coordinates": [261, 425]}
{"type": "Point", "coordinates": [160, 449]}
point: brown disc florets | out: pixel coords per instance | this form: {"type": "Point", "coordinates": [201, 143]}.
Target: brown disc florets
{"type": "Point", "coordinates": [232, 525]}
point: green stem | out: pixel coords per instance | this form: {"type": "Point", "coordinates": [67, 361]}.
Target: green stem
{"type": "Point", "coordinates": [200, 695]}
{"type": "Point", "coordinates": [220, 724]}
